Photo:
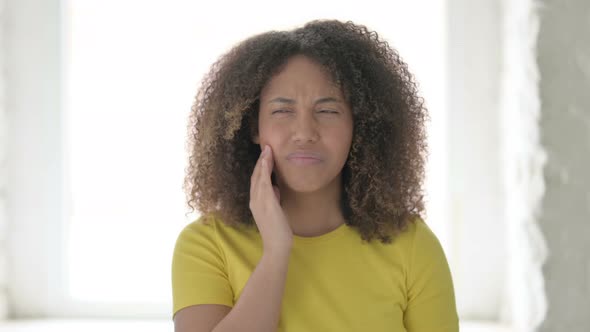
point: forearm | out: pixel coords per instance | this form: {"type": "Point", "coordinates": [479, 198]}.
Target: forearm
{"type": "Point", "coordinates": [259, 306]}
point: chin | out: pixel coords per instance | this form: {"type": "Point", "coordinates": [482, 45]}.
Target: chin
{"type": "Point", "coordinates": [306, 184]}
{"type": "Point", "coordinates": [304, 187]}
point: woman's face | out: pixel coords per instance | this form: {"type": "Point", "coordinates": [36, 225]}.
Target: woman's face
{"type": "Point", "coordinates": [302, 111]}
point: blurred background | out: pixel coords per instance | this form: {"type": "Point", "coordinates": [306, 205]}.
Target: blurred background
{"type": "Point", "coordinates": [94, 98]}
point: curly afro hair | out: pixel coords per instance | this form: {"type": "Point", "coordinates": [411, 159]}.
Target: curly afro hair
{"type": "Point", "coordinates": [384, 173]}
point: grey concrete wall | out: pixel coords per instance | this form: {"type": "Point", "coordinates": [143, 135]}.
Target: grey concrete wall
{"type": "Point", "coordinates": [3, 222]}
{"type": "Point", "coordinates": [564, 64]}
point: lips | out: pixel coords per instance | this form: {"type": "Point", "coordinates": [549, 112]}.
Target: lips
{"type": "Point", "coordinates": [305, 155]}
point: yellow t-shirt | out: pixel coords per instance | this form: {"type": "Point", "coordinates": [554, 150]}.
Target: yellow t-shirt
{"type": "Point", "coordinates": [334, 281]}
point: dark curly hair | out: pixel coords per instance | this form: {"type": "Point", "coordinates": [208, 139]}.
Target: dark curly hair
{"type": "Point", "coordinates": [384, 173]}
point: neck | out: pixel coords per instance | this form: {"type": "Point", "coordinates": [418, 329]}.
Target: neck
{"type": "Point", "coordinates": [313, 213]}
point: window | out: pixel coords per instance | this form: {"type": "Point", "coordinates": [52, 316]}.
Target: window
{"type": "Point", "coordinates": [129, 89]}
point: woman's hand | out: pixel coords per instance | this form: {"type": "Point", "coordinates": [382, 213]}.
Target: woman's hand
{"type": "Point", "coordinates": [265, 205]}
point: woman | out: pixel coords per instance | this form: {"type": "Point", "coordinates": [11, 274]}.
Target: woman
{"type": "Point", "coordinates": [307, 152]}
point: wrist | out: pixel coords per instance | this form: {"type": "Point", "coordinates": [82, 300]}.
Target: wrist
{"type": "Point", "coordinates": [278, 251]}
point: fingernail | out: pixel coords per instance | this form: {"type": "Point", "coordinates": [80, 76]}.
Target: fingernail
{"type": "Point", "coordinates": [265, 150]}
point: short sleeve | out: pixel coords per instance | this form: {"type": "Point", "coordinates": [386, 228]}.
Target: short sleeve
{"type": "Point", "coordinates": [199, 275]}
{"type": "Point", "coordinates": [431, 297]}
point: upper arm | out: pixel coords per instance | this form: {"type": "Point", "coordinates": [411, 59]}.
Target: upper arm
{"type": "Point", "coordinates": [199, 274]}
{"type": "Point", "coordinates": [200, 318]}
{"type": "Point", "coordinates": [431, 298]}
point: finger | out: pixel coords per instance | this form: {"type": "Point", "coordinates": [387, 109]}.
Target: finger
{"type": "Point", "coordinates": [270, 160]}
{"type": "Point", "coordinates": [264, 180]}
{"type": "Point", "coordinates": [269, 164]}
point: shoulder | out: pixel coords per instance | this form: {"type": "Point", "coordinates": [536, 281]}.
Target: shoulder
{"type": "Point", "coordinates": [415, 233]}
{"type": "Point", "coordinates": [419, 244]}
{"type": "Point", "coordinates": [422, 232]}
{"type": "Point", "coordinates": [210, 230]}
{"type": "Point", "coordinates": [424, 251]}
{"type": "Point", "coordinates": [201, 231]}
{"type": "Point", "coordinates": [424, 242]}
{"type": "Point", "coordinates": [197, 245]}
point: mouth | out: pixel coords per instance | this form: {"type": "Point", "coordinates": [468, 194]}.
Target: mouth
{"type": "Point", "coordinates": [304, 158]}
{"type": "Point", "coordinates": [304, 161]}
{"type": "Point", "coordinates": [305, 155]}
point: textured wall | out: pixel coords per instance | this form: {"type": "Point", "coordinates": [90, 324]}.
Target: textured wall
{"type": "Point", "coordinates": [523, 162]}
{"type": "Point", "coordinates": [564, 64]}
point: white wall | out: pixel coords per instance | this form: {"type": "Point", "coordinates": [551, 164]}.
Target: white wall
{"type": "Point", "coordinates": [33, 98]}
{"type": "Point", "coordinates": [476, 206]}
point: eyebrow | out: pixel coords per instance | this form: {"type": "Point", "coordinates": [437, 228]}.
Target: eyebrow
{"type": "Point", "coordinates": [291, 101]}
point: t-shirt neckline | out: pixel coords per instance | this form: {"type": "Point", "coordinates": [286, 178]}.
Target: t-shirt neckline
{"type": "Point", "coordinates": [308, 240]}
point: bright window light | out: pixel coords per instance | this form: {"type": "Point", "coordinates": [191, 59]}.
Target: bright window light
{"type": "Point", "coordinates": [133, 68]}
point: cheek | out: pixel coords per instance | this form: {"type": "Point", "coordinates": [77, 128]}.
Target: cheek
{"type": "Point", "coordinates": [270, 133]}
{"type": "Point", "coordinates": [341, 141]}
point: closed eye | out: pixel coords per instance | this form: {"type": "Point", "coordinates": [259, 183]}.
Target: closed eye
{"type": "Point", "coordinates": [287, 111]}
{"type": "Point", "coordinates": [280, 111]}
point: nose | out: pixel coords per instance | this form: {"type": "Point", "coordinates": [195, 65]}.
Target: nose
{"type": "Point", "coordinates": [305, 128]}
